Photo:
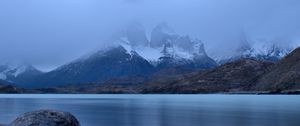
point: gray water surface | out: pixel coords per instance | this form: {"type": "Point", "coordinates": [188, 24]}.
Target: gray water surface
{"type": "Point", "coordinates": [162, 110]}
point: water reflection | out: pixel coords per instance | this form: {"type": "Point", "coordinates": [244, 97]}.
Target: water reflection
{"type": "Point", "coordinates": [166, 110]}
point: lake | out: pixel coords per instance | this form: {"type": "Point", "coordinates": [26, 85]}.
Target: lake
{"type": "Point", "coordinates": [162, 110]}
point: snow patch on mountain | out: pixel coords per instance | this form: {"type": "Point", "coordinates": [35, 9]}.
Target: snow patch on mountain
{"type": "Point", "coordinates": [12, 70]}
{"type": "Point", "coordinates": [269, 48]}
{"type": "Point", "coordinates": [260, 49]}
{"type": "Point", "coordinates": [150, 54]}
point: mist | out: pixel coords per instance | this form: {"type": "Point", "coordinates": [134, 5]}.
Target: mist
{"type": "Point", "coordinates": [50, 33]}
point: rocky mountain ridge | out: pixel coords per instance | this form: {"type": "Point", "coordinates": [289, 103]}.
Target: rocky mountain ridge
{"type": "Point", "coordinates": [263, 50]}
{"type": "Point", "coordinates": [18, 73]}
{"type": "Point", "coordinates": [133, 55]}
{"type": "Point", "coordinates": [241, 76]}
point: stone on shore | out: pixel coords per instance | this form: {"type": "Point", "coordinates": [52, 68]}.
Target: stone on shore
{"type": "Point", "coordinates": [46, 118]}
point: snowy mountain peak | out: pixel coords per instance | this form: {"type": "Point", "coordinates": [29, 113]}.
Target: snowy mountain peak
{"type": "Point", "coordinates": [14, 69]}
{"type": "Point", "coordinates": [269, 48]}
{"type": "Point", "coordinates": [130, 56]}
{"type": "Point", "coordinates": [260, 49]}
{"type": "Point", "coordinates": [164, 43]}
{"type": "Point", "coordinates": [10, 71]}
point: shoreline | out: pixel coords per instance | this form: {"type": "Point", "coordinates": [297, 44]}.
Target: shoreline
{"type": "Point", "coordinates": [294, 92]}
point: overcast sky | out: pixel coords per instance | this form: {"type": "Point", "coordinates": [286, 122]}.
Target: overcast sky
{"type": "Point", "coordinates": [49, 33]}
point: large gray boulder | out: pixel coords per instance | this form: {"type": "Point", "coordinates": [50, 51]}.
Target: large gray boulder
{"type": "Point", "coordinates": [46, 118]}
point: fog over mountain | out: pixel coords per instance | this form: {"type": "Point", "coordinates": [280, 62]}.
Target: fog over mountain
{"type": "Point", "coordinates": [50, 33]}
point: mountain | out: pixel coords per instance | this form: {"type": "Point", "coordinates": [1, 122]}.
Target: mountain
{"type": "Point", "coordinates": [166, 49]}
{"type": "Point", "coordinates": [18, 73]}
{"type": "Point", "coordinates": [240, 75]}
{"type": "Point", "coordinates": [285, 75]}
{"type": "Point", "coordinates": [261, 49]}
{"type": "Point", "coordinates": [179, 50]}
{"type": "Point", "coordinates": [112, 62]}
{"type": "Point", "coordinates": [252, 75]}
{"type": "Point", "coordinates": [132, 54]}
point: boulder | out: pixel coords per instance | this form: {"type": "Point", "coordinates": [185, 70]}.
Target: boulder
{"type": "Point", "coordinates": [46, 118]}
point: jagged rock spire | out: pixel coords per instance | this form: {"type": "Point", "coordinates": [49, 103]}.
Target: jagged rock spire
{"type": "Point", "coordinates": [162, 34]}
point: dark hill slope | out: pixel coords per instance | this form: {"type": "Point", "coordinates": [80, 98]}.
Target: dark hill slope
{"type": "Point", "coordinates": [284, 75]}
{"type": "Point", "coordinates": [7, 88]}
{"type": "Point", "coordinates": [240, 75]}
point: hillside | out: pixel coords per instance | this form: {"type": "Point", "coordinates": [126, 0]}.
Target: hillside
{"type": "Point", "coordinates": [240, 75]}
{"type": "Point", "coordinates": [6, 87]}
{"type": "Point", "coordinates": [284, 75]}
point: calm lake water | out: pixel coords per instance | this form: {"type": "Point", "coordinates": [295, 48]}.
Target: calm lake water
{"type": "Point", "coordinates": [162, 110]}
